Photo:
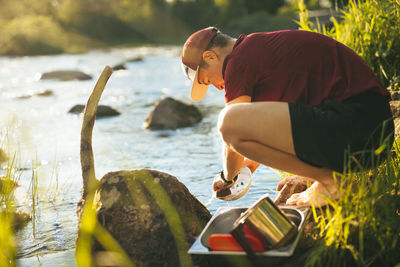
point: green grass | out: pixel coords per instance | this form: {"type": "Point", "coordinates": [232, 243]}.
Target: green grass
{"type": "Point", "coordinates": [11, 218]}
{"type": "Point", "coordinates": [362, 228]}
{"type": "Point", "coordinates": [8, 247]}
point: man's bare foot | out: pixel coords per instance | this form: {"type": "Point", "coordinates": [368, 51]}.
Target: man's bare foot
{"type": "Point", "coordinates": [317, 194]}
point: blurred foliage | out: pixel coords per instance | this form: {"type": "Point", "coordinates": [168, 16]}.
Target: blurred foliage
{"type": "Point", "coordinates": [72, 26]}
{"type": "Point", "coordinates": [261, 21]}
{"type": "Point", "coordinates": [372, 29]}
{"type": "Point", "coordinates": [39, 35]}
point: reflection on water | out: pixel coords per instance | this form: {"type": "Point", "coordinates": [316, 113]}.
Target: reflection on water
{"type": "Point", "coordinates": [41, 132]}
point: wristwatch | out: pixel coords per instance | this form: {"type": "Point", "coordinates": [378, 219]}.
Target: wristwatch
{"type": "Point", "coordinates": [221, 174]}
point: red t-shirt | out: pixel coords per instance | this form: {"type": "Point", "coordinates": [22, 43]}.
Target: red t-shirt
{"type": "Point", "coordinates": [295, 66]}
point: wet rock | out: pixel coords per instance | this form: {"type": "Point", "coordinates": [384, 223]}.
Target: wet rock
{"type": "Point", "coordinates": [135, 59]}
{"type": "Point", "coordinates": [44, 93]}
{"type": "Point", "coordinates": [65, 75]}
{"type": "Point", "coordinates": [169, 113]}
{"type": "Point", "coordinates": [151, 214]}
{"type": "Point", "coordinates": [120, 66]}
{"type": "Point", "coordinates": [39, 94]}
{"type": "Point", "coordinates": [102, 111]}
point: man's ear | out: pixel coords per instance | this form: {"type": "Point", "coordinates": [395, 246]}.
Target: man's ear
{"type": "Point", "coordinates": [209, 55]}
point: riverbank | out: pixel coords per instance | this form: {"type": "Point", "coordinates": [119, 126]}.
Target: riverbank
{"type": "Point", "coordinates": [45, 138]}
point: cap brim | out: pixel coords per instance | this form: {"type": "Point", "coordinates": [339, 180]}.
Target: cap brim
{"type": "Point", "coordinates": [199, 90]}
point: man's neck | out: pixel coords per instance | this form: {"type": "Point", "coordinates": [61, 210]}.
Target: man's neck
{"type": "Point", "coordinates": [226, 50]}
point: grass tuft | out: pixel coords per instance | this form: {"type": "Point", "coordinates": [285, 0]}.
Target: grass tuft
{"type": "Point", "coordinates": [362, 227]}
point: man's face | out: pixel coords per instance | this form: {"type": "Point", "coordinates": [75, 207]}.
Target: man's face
{"type": "Point", "coordinates": [212, 74]}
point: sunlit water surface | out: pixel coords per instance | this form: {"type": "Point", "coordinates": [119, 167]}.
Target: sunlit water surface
{"type": "Point", "coordinates": [42, 134]}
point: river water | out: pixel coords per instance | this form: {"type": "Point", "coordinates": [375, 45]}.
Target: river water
{"type": "Point", "coordinates": [45, 139]}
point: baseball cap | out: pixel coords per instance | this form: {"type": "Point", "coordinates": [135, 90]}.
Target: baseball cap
{"type": "Point", "coordinates": [192, 56]}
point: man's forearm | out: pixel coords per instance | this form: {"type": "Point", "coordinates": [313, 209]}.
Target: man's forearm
{"type": "Point", "coordinates": [232, 163]}
{"type": "Point", "coordinates": [252, 165]}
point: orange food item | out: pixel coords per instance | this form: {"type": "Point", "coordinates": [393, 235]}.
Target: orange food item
{"type": "Point", "coordinates": [226, 242]}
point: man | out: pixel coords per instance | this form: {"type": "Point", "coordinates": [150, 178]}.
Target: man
{"type": "Point", "coordinates": [296, 101]}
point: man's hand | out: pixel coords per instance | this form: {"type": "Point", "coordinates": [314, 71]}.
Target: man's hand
{"type": "Point", "coordinates": [294, 180]}
{"type": "Point", "coordinates": [219, 183]}
{"type": "Point", "coordinates": [290, 185]}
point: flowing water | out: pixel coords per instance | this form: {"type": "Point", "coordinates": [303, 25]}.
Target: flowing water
{"type": "Point", "coordinates": [46, 138]}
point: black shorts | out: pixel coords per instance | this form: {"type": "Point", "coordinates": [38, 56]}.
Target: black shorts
{"type": "Point", "coordinates": [343, 135]}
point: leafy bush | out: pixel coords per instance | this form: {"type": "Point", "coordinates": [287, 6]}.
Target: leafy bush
{"type": "Point", "coordinates": [38, 35]}
{"type": "Point", "coordinates": [372, 29]}
{"type": "Point", "coordinates": [79, 25]}
{"type": "Point", "coordinates": [261, 21]}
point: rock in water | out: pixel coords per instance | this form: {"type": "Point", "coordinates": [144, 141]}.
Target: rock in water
{"type": "Point", "coordinates": [39, 94]}
{"type": "Point", "coordinates": [135, 59]}
{"type": "Point", "coordinates": [169, 113]}
{"type": "Point", "coordinates": [102, 111]}
{"type": "Point", "coordinates": [120, 66]}
{"type": "Point", "coordinates": [151, 214]}
{"type": "Point", "coordinates": [65, 75]}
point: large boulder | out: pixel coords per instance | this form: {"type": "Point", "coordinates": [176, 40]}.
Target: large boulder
{"type": "Point", "coordinates": [169, 113]}
{"type": "Point", "coordinates": [151, 214]}
{"type": "Point", "coordinates": [102, 111]}
{"type": "Point", "coordinates": [65, 75]}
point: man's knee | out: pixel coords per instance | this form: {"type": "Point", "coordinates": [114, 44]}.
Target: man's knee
{"type": "Point", "coordinates": [228, 122]}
